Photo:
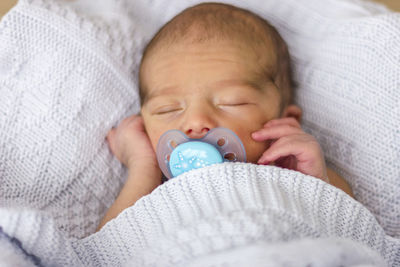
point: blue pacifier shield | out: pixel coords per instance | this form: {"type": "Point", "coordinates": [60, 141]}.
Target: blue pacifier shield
{"type": "Point", "coordinates": [177, 153]}
{"type": "Point", "coordinates": [193, 155]}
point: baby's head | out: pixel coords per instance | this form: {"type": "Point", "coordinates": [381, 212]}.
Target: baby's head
{"type": "Point", "coordinates": [215, 65]}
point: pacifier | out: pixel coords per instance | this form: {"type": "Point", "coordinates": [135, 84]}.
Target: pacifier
{"type": "Point", "coordinates": [177, 153]}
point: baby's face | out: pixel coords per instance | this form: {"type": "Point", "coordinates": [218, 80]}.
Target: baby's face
{"type": "Point", "coordinates": [195, 88]}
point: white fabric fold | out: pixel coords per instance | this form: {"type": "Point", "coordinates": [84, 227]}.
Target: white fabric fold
{"type": "Point", "coordinates": [212, 212]}
{"type": "Point", "coordinates": [231, 205]}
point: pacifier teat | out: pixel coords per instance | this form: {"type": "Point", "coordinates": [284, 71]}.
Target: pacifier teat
{"type": "Point", "coordinates": [177, 153]}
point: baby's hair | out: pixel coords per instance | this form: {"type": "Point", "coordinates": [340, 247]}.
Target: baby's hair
{"type": "Point", "coordinates": [208, 22]}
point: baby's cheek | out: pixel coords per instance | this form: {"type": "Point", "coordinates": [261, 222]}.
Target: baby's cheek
{"type": "Point", "coordinates": [254, 150]}
{"type": "Point", "coordinates": [154, 135]}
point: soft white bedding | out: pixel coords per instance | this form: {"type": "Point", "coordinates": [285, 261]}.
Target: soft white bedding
{"type": "Point", "coordinates": [66, 77]}
{"type": "Point", "coordinates": [204, 216]}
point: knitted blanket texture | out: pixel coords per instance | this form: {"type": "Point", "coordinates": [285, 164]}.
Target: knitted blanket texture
{"type": "Point", "coordinates": [68, 73]}
{"type": "Point", "coordinates": [204, 215]}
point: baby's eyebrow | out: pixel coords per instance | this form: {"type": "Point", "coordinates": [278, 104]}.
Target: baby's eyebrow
{"type": "Point", "coordinates": [156, 93]}
{"type": "Point", "coordinates": [238, 82]}
{"type": "Point", "coordinates": [168, 90]}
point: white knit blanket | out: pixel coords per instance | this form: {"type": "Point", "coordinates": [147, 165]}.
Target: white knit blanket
{"type": "Point", "coordinates": [231, 214]}
{"type": "Point", "coordinates": [68, 73]}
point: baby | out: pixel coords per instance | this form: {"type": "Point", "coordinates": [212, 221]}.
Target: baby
{"type": "Point", "coordinates": [215, 65]}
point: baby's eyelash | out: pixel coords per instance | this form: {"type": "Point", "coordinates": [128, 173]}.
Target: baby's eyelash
{"type": "Point", "coordinates": [238, 104]}
{"type": "Point", "coordinates": [235, 104]}
{"type": "Point", "coordinates": [166, 111]}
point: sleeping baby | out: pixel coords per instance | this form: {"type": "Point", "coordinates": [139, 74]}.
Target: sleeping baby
{"type": "Point", "coordinates": [215, 65]}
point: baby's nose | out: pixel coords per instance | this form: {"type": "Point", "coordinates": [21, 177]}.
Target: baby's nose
{"type": "Point", "coordinates": [198, 124]}
{"type": "Point", "coordinates": [198, 120]}
{"type": "Point", "coordinates": [196, 133]}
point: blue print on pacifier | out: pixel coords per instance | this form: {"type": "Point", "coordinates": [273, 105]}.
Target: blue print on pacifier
{"type": "Point", "coordinates": [177, 153]}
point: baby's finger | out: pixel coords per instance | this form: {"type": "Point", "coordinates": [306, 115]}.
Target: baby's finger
{"type": "Point", "coordinates": [275, 132]}
{"type": "Point", "coordinates": [289, 121]}
{"type": "Point", "coordinates": [128, 120]}
{"type": "Point", "coordinates": [292, 145]}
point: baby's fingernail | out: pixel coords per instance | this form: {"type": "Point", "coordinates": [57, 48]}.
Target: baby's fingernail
{"type": "Point", "coordinates": [255, 134]}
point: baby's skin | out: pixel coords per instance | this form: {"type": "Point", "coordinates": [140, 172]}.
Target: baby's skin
{"type": "Point", "coordinates": [200, 88]}
{"type": "Point", "coordinates": [195, 88]}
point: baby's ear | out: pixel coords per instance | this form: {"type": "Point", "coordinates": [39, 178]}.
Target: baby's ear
{"type": "Point", "coordinates": [293, 111]}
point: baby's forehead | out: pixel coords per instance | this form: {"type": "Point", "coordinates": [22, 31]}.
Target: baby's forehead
{"type": "Point", "coordinates": [214, 22]}
{"type": "Point", "coordinates": [243, 69]}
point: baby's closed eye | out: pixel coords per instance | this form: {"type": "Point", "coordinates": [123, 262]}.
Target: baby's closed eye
{"type": "Point", "coordinates": [166, 109]}
{"type": "Point", "coordinates": [235, 104]}
{"type": "Point", "coordinates": [235, 100]}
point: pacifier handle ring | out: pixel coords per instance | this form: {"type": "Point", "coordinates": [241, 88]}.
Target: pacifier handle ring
{"type": "Point", "coordinates": [221, 132]}
{"type": "Point", "coordinates": [163, 156]}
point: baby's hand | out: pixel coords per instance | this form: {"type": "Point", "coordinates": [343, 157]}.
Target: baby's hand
{"type": "Point", "coordinates": [130, 144]}
{"type": "Point", "coordinates": [291, 148]}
